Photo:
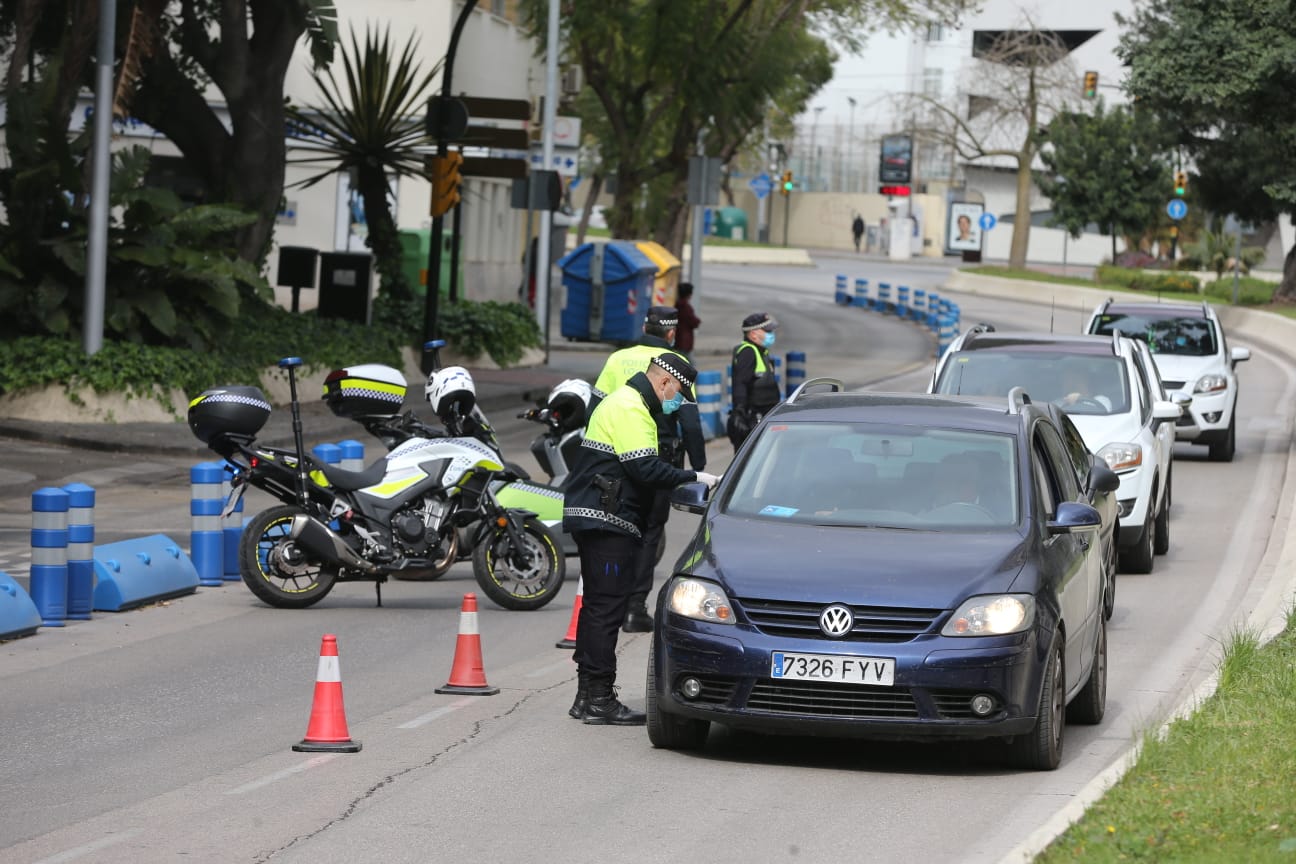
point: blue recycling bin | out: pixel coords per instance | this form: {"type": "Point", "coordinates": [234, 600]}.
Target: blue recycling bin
{"type": "Point", "coordinates": [609, 289]}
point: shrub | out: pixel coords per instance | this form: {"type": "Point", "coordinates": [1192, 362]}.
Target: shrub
{"type": "Point", "coordinates": [1251, 292]}
{"type": "Point", "coordinates": [1139, 280]}
{"type": "Point", "coordinates": [501, 330]}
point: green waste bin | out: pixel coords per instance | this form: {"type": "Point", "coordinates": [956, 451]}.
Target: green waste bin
{"type": "Point", "coordinates": [731, 222]}
{"type": "Point", "coordinates": [415, 245]}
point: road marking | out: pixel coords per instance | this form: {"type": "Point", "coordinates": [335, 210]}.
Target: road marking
{"type": "Point", "coordinates": [433, 715]}
{"type": "Point", "coordinates": [279, 775]}
{"type": "Point", "coordinates": [81, 851]}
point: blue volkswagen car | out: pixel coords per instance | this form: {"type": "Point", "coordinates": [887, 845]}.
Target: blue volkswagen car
{"type": "Point", "coordinates": [889, 566]}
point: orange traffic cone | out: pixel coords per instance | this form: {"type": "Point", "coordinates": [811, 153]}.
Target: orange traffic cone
{"type": "Point", "coordinates": [467, 675]}
{"type": "Point", "coordinates": [327, 730]}
{"type": "Point", "coordinates": [569, 641]}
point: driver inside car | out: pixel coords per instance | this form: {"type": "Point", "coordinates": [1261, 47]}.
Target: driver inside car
{"type": "Point", "coordinates": [1077, 388]}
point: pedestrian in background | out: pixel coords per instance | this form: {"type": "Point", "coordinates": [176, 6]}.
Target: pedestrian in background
{"type": "Point", "coordinates": [677, 433]}
{"type": "Point", "coordinates": [755, 389]}
{"type": "Point", "coordinates": [688, 320]}
{"type": "Point", "coordinates": [617, 472]}
{"type": "Point", "coordinates": [857, 229]}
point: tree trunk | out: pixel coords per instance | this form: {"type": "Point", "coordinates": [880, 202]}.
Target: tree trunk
{"type": "Point", "coordinates": [1286, 292]}
{"type": "Point", "coordinates": [383, 236]}
{"type": "Point", "coordinates": [1022, 219]}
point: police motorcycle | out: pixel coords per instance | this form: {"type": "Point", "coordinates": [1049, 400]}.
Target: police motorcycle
{"type": "Point", "coordinates": [399, 516]}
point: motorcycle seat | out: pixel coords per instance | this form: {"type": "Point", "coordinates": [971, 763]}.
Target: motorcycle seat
{"type": "Point", "coordinates": [349, 481]}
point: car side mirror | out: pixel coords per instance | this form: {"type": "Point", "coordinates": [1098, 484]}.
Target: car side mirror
{"type": "Point", "coordinates": [1102, 478]}
{"type": "Point", "coordinates": [1182, 399]}
{"type": "Point", "coordinates": [1072, 517]}
{"type": "Point", "coordinates": [1237, 355]}
{"type": "Point", "coordinates": [689, 497]}
{"type": "Point", "coordinates": [1166, 410]}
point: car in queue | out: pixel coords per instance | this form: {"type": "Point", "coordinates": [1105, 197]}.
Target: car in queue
{"type": "Point", "coordinates": [888, 566]}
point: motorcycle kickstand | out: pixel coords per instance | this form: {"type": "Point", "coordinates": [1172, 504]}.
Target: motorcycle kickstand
{"type": "Point", "coordinates": [378, 591]}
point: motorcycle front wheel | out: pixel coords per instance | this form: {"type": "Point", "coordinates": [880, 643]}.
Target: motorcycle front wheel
{"type": "Point", "coordinates": [275, 568]}
{"type": "Point", "coordinates": [523, 578]}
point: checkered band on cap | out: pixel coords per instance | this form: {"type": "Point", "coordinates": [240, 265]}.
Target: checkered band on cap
{"type": "Point", "coordinates": [759, 321]}
{"type": "Point", "coordinates": [663, 316]}
{"type": "Point", "coordinates": [239, 398]}
{"type": "Point", "coordinates": [677, 367]}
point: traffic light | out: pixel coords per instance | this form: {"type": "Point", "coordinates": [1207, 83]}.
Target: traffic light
{"type": "Point", "coordinates": [446, 176]}
{"type": "Point", "coordinates": [788, 185]}
{"type": "Point", "coordinates": [1091, 84]}
{"type": "Point", "coordinates": [1181, 183]}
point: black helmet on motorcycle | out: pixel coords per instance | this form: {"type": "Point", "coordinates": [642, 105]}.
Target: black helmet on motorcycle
{"type": "Point", "coordinates": [568, 403]}
{"type": "Point", "coordinates": [451, 391]}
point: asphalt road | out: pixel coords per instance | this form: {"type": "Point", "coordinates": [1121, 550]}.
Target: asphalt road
{"type": "Point", "coordinates": [165, 733]}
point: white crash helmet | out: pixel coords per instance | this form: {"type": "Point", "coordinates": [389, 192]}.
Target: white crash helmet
{"type": "Point", "coordinates": [451, 388]}
{"type": "Point", "coordinates": [569, 402]}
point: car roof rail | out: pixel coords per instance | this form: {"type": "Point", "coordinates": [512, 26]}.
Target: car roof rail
{"type": "Point", "coordinates": [832, 383]}
{"type": "Point", "coordinates": [1116, 334]}
{"type": "Point", "coordinates": [1205, 309]}
{"type": "Point", "coordinates": [1017, 399]}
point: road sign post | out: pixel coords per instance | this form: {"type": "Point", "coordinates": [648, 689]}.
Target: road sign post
{"type": "Point", "coordinates": [761, 185]}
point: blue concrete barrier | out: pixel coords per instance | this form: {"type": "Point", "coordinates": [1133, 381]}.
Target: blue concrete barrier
{"type": "Point", "coordinates": [796, 370]}
{"type": "Point", "coordinates": [708, 389]}
{"type": "Point", "coordinates": [840, 295]}
{"type": "Point", "coordinates": [231, 527]}
{"type": "Point", "coordinates": [49, 539]}
{"type": "Point", "coordinates": [207, 540]}
{"type": "Point", "coordinates": [131, 573]}
{"type": "Point", "coordinates": [352, 455]}
{"type": "Point", "coordinates": [18, 614]}
{"type": "Point", "coordinates": [80, 551]}
{"type": "Point", "coordinates": [861, 293]}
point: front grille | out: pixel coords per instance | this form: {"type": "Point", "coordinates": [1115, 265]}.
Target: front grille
{"type": "Point", "coordinates": [872, 623]}
{"type": "Point", "coordinates": [814, 699]}
{"type": "Point", "coordinates": [1173, 385]}
{"type": "Point", "coordinates": [716, 690]}
{"type": "Point", "coordinates": [955, 704]}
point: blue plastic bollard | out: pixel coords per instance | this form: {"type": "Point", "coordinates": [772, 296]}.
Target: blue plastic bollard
{"type": "Point", "coordinates": [945, 337]}
{"type": "Point", "coordinates": [861, 293]}
{"type": "Point", "coordinates": [49, 539]}
{"type": "Point", "coordinates": [728, 390]}
{"type": "Point", "coordinates": [80, 550]}
{"type": "Point", "coordinates": [329, 454]}
{"type": "Point", "coordinates": [778, 371]}
{"type": "Point", "coordinates": [919, 310]}
{"type": "Point", "coordinates": [933, 311]}
{"type": "Point", "coordinates": [840, 294]}
{"type": "Point", "coordinates": [352, 455]}
{"type": "Point", "coordinates": [902, 301]}
{"type": "Point", "coordinates": [796, 370]}
{"type": "Point", "coordinates": [206, 540]}
{"type": "Point", "coordinates": [231, 527]}
{"type": "Point", "coordinates": [708, 389]}
{"type": "Point", "coordinates": [884, 297]}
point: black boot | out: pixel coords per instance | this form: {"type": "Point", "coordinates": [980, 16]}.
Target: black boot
{"type": "Point", "coordinates": [605, 709]}
{"type": "Point", "coordinates": [637, 619]}
{"type": "Point", "coordinates": [578, 708]}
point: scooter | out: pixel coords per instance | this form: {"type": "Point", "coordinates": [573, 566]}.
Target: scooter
{"type": "Point", "coordinates": [398, 516]}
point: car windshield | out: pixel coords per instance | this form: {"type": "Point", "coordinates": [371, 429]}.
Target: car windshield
{"type": "Point", "coordinates": [1080, 383]}
{"type": "Point", "coordinates": [1187, 337]}
{"type": "Point", "coordinates": [867, 475]}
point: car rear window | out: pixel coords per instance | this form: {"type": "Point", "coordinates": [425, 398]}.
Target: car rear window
{"type": "Point", "coordinates": [1188, 337]}
{"type": "Point", "coordinates": [1080, 383]}
{"type": "Point", "coordinates": [879, 476]}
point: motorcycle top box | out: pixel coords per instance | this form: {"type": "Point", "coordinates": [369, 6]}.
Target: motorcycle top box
{"type": "Point", "coordinates": [368, 390]}
{"type": "Point", "coordinates": [221, 411]}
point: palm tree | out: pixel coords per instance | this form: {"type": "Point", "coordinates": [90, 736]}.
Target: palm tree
{"type": "Point", "coordinates": [371, 127]}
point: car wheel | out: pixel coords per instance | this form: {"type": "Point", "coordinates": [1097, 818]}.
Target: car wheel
{"type": "Point", "coordinates": [1223, 451]}
{"type": "Point", "coordinates": [1041, 748]}
{"type": "Point", "coordinates": [1090, 703]}
{"type": "Point", "coordinates": [1138, 558]}
{"type": "Point", "coordinates": [667, 731]}
{"type": "Point", "coordinates": [1109, 588]}
{"type": "Point", "coordinates": [1161, 542]}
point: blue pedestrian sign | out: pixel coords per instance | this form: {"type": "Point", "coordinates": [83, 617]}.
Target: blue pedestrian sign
{"type": "Point", "coordinates": [1176, 208]}
{"type": "Point", "coordinates": [988, 221]}
{"type": "Point", "coordinates": [761, 184]}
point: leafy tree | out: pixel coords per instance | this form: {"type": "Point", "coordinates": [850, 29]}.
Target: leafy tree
{"type": "Point", "coordinates": [370, 126]}
{"type": "Point", "coordinates": [1221, 73]}
{"type": "Point", "coordinates": [1108, 168]}
{"type": "Point", "coordinates": [663, 74]}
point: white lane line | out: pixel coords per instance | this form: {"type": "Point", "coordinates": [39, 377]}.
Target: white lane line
{"type": "Point", "coordinates": [81, 851]}
{"type": "Point", "coordinates": [433, 715]}
{"type": "Point", "coordinates": [565, 663]}
{"type": "Point", "coordinates": [279, 775]}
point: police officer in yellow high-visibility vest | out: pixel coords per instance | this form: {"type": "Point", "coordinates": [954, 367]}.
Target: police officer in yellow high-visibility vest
{"type": "Point", "coordinates": [755, 389]}
{"type": "Point", "coordinates": [611, 487]}
{"type": "Point", "coordinates": [677, 434]}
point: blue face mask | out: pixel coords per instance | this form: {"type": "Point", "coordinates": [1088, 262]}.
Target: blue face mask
{"type": "Point", "coordinates": [768, 341]}
{"type": "Point", "coordinates": [670, 406]}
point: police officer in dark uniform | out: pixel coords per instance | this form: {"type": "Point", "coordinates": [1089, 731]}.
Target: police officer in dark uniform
{"type": "Point", "coordinates": [755, 389]}
{"type": "Point", "coordinates": [606, 502]}
{"type": "Point", "coordinates": [677, 434]}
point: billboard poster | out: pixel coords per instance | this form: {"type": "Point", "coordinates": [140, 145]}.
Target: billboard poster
{"type": "Point", "coordinates": [964, 227]}
{"type": "Point", "coordinates": [897, 159]}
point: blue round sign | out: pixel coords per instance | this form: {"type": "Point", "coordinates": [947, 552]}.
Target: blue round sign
{"type": "Point", "coordinates": [1176, 209]}
{"type": "Point", "coordinates": [987, 221]}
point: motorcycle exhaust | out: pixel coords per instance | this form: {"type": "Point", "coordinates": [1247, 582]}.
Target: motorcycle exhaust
{"type": "Point", "coordinates": [320, 540]}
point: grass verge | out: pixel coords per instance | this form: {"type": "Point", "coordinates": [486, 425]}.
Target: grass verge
{"type": "Point", "coordinates": [1217, 786]}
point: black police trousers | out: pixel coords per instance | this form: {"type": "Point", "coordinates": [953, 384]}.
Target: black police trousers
{"type": "Point", "coordinates": [607, 567]}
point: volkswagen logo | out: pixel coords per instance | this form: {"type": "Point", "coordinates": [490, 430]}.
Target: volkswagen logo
{"type": "Point", "coordinates": [836, 620]}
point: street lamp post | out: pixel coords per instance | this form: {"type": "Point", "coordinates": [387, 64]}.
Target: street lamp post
{"type": "Point", "coordinates": [850, 148]}
{"type": "Point", "coordinates": [814, 152]}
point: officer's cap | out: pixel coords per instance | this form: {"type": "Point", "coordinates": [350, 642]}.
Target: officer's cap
{"type": "Point", "coordinates": [759, 321]}
{"type": "Point", "coordinates": [665, 317]}
{"type": "Point", "coordinates": [681, 369]}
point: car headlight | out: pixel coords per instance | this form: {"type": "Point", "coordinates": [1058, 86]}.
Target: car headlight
{"type": "Point", "coordinates": [702, 600]}
{"type": "Point", "coordinates": [992, 615]}
{"type": "Point", "coordinates": [1210, 384]}
{"type": "Point", "coordinates": [1122, 457]}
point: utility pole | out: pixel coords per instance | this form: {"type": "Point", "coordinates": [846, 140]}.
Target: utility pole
{"type": "Point", "coordinates": [546, 217]}
{"type": "Point", "coordinates": [850, 148]}
{"type": "Point", "coordinates": [814, 153]}
{"type": "Point", "coordinates": [696, 240]}
{"type": "Point", "coordinates": [97, 253]}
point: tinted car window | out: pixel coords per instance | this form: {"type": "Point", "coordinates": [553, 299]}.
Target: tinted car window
{"type": "Point", "coordinates": [1077, 452]}
{"type": "Point", "coordinates": [1189, 337]}
{"type": "Point", "coordinates": [865, 474]}
{"type": "Point", "coordinates": [1082, 383]}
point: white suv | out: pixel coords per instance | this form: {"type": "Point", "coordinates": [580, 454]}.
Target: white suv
{"type": "Point", "coordinates": [1110, 390]}
{"type": "Point", "coordinates": [1193, 356]}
